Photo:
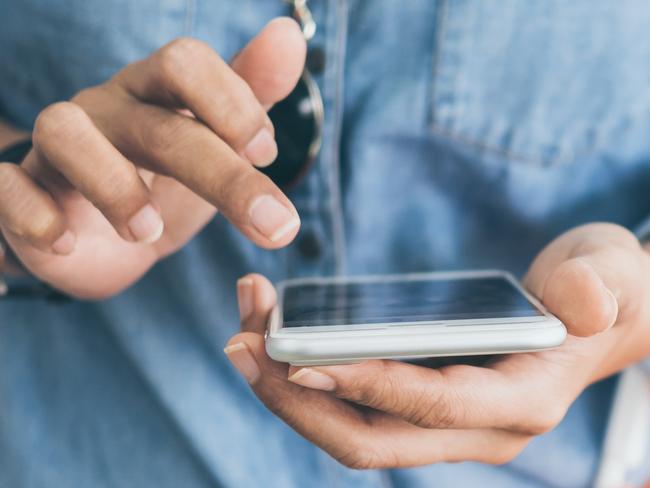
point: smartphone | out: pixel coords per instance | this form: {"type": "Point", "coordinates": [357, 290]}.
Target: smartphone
{"type": "Point", "coordinates": [319, 321]}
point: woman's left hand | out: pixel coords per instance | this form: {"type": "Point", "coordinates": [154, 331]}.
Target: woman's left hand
{"type": "Point", "coordinates": [387, 414]}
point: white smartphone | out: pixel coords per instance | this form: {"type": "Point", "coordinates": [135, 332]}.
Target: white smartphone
{"type": "Point", "coordinates": [319, 321]}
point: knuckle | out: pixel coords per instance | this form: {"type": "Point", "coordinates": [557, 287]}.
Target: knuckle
{"type": "Point", "coordinates": [360, 458]}
{"type": "Point", "coordinates": [418, 406]}
{"type": "Point", "coordinates": [434, 408]}
{"type": "Point", "coordinates": [429, 410]}
{"type": "Point", "coordinates": [381, 392]}
{"type": "Point", "coordinates": [182, 67]}
{"type": "Point", "coordinates": [359, 392]}
{"type": "Point", "coordinates": [237, 118]}
{"type": "Point", "coordinates": [162, 136]}
{"type": "Point", "coordinates": [240, 114]}
{"type": "Point", "coordinates": [178, 60]}
{"type": "Point", "coordinates": [226, 186]}
{"type": "Point", "coordinates": [59, 121]}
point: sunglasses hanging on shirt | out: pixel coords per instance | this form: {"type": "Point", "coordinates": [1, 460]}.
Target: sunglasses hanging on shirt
{"type": "Point", "coordinates": [298, 119]}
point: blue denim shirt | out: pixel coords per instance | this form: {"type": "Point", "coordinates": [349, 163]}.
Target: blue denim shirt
{"type": "Point", "coordinates": [457, 135]}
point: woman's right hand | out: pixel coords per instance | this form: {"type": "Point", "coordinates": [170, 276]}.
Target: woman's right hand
{"type": "Point", "coordinates": [128, 171]}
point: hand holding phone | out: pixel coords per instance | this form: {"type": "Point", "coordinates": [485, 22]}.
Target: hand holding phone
{"type": "Point", "coordinates": [593, 278]}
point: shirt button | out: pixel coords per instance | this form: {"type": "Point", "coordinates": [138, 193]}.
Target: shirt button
{"type": "Point", "coordinates": [316, 60]}
{"type": "Point", "coordinates": [309, 245]}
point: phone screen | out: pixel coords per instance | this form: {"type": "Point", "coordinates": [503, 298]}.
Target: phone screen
{"type": "Point", "coordinates": [380, 302]}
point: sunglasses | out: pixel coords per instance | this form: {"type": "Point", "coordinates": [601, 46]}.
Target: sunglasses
{"type": "Point", "coordinates": [298, 119]}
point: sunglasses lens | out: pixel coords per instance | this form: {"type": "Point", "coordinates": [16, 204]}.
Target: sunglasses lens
{"type": "Point", "coordinates": [297, 122]}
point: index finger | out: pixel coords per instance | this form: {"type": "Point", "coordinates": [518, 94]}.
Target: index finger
{"type": "Point", "coordinates": [453, 397]}
{"type": "Point", "coordinates": [188, 73]}
{"type": "Point", "coordinates": [361, 439]}
{"type": "Point", "coordinates": [590, 277]}
{"type": "Point", "coordinates": [179, 146]}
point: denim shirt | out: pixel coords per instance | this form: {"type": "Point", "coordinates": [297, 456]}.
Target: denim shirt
{"type": "Point", "coordinates": [457, 135]}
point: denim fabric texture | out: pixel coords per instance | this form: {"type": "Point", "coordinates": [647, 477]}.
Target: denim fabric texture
{"type": "Point", "coordinates": [457, 135]}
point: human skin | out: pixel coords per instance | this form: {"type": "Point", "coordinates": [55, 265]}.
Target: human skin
{"type": "Point", "coordinates": [139, 135]}
{"type": "Point", "coordinates": [127, 172]}
{"type": "Point", "coordinates": [390, 414]}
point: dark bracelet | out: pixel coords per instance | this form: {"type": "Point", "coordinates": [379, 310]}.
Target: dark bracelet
{"type": "Point", "coordinates": [27, 287]}
{"type": "Point", "coordinates": [16, 152]}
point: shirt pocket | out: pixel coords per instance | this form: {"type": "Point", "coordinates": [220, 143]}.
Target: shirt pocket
{"type": "Point", "coordinates": [540, 83]}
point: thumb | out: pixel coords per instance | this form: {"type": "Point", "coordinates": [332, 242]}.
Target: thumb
{"type": "Point", "coordinates": [589, 290]}
{"type": "Point", "coordinates": [579, 296]}
{"type": "Point", "coordinates": [272, 62]}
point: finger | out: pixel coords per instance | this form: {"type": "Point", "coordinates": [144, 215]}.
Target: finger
{"type": "Point", "coordinates": [184, 212]}
{"type": "Point", "coordinates": [188, 72]}
{"type": "Point", "coordinates": [357, 438]}
{"type": "Point", "coordinates": [577, 295]}
{"type": "Point", "coordinates": [454, 397]}
{"type": "Point", "coordinates": [68, 140]}
{"type": "Point", "coordinates": [594, 283]}
{"type": "Point", "coordinates": [297, 406]}
{"type": "Point", "coordinates": [185, 149]}
{"type": "Point", "coordinates": [425, 397]}
{"type": "Point", "coordinates": [29, 213]}
{"type": "Point", "coordinates": [272, 62]}
{"type": "Point", "coordinates": [191, 73]}
{"type": "Point", "coordinates": [256, 298]}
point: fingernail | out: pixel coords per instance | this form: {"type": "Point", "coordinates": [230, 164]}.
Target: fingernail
{"type": "Point", "coordinates": [64, 244]}
{"type": "Point", "coordinates": [245, 297]}
{"type": "Point", "coordinates": [262, 149]}
{"type": "Point", "coordinates": [315, 380]}
{"type": "Point", "coordinates": [242, 359]}
{"type": "Point", "coordinates": [271, 218]}
{"type": "Point", "coordinates": [146, 225]}
{"type": "Point", "coordinates": [613, 307]}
